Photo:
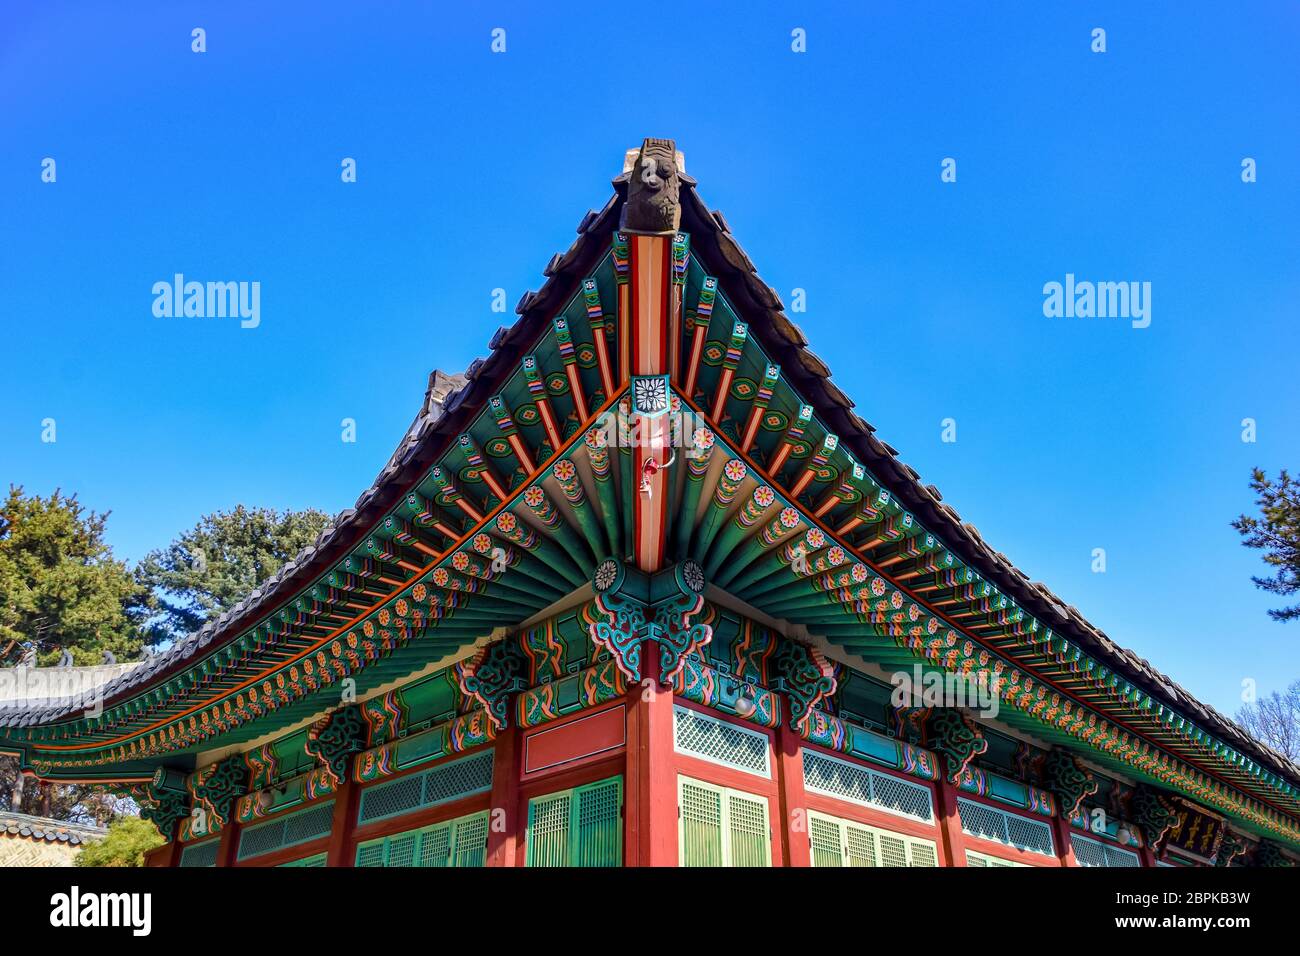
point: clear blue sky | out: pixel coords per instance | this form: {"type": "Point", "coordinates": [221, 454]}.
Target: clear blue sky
{"type": "Point", "coordinates": [473, 168]}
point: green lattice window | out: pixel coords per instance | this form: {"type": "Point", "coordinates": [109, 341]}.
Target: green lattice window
{"type": "Point", "coordinates": [459, 842]}
{"type": "Point", "coordinates": [200, 854]}
{"type": "Point", "coordinates": [721, 827]}
{"type": "Point", "coordinates": [288, 830]}
{"type": "Point", "coordinates": [419, 791]}
{"type": "Point", "coordinates": [1001, 826]}
{"type": "Point", "coordinates": [855, 783]}
{"type": "Point", "coordinates": [316, 860]}
{"type": "Point", "coordinates": [721, 742]}
{"type": "Point", "coordinates": [837, 842]}
{"type": "Point", "coordinates": [1090, 852]}
{"type": "Point", "coordinates": [578, 827]}
{"type": "Point", "coordinates": [988, 862]}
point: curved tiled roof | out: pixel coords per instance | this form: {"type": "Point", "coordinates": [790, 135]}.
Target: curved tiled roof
{"type": "Point", "coordinates": [50, 831]}
{"type": "Point", "coordinates": [449, 401]}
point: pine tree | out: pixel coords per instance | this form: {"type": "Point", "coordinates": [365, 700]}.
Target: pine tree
{"type": "Point", "coordinates": [60, 586]}
{"type": "Point", "coordinates": [1277, 533]}
{"type": "Point", "coordinates": [211, 567]}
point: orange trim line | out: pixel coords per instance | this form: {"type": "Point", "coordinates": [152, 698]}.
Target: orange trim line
{"type": "Point", "coordinates": [693, 366]}
{"type": "Point", "coordinates": [548, 419]}
{"type": "Point", "coordinates": [602, 356]}
{"type": "Point", "coordinates": [307, 652]}
{"type": "Point", "coordinates": [579, 393]}
{"type": "Point", "coordinates": [522, 454]}
{"type": "Point", "coordinates": [751, 427]}
{"type": "Point", "coordinates": [975, 637]}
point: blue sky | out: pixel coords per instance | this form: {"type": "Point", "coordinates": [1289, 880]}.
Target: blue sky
{"type": "Point", "coordinates": [473, 168]}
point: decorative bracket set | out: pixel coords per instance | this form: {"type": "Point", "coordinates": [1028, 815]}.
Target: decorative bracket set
{"type": "Point", "coordinates": [173, 797]}
{"type": "Point", "coordinates": [662, 609]}
{"type": "Point", "coordinates": [957, 739]}
{"type": "Point", "coordinates": [806, 677]}
{"type": "Point", "coordinates": [491, 675]}
{"type": "Point", "coordinates": [336, 738]}
{"type": "Point", "coordinates": [166, 801]}
{"type": "Point", "coordinates": [1069, 780]}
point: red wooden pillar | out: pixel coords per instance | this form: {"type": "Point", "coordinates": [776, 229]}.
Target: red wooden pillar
{"type": "Point", "coordinates": [793, 802]}
{"type": "Point", "coordinates": [504, 817]}
{"type": "Point", "coordinates": [1061, 834]}
{"type": "Point", "coordinates": [340, 851]}
{"type": "Point", "coordinates": [952, 841]}
{"type": "Point", "coordinates": [650, 809]}
{"type": "Point", "coordinates": [228, 847]}
{"type": "Point", "coordinates": [1147, 855]}
{"type": "Point", "coordinates": [169, 854]}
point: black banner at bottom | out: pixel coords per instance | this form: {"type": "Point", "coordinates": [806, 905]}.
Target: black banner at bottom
{"type": "Point", "coordinates": [153, 906]}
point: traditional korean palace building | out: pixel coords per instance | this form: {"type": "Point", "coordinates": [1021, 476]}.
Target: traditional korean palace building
{"type": "Point", "coordinates": [638, 589]}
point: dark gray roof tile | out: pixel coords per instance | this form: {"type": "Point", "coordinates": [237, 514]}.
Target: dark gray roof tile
{"type": "Point", "coordinates": [790, 332]}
